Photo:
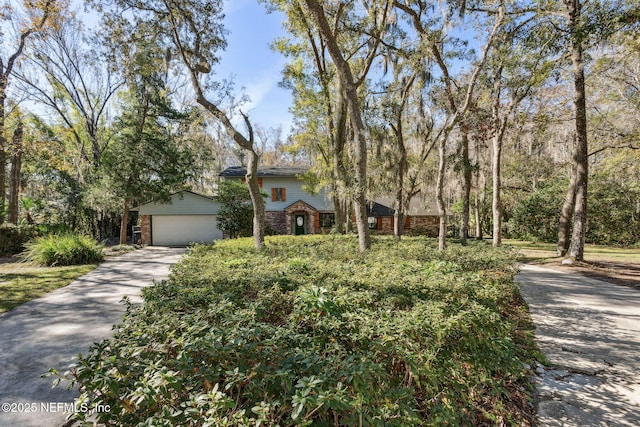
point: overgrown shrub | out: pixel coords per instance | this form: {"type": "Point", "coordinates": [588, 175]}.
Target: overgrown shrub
{"type": "Point", "coordinates": [14, 237]}
{"type": "Point", "coordinates": [312, 332]}
{"type": "Point", "coordinates": [63, 249]}
{"type": "Point", "coordinates": [612, 213]}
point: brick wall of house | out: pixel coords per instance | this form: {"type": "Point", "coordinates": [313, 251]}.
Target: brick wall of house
{"type": "Point", "coordinates": [425, 225]}
{"type": "Point", "coordinates": [145, 236]}
{"type": "Point", "coordinates": [385, 225]}
{"type": "Point", "coordinates": [277, 220]}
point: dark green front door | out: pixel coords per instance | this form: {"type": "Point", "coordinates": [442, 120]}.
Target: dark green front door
{"type": "Point", "coordinates": [299, 225]}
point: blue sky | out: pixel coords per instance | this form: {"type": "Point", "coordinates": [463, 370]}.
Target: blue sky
{"type": "Point", "coordinates": [253, 64]}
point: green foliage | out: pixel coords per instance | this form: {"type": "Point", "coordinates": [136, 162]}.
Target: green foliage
{"type": "Point", "coordinates": [535, 216]}
{"type": "Point", "coordinates": [63, 249]}
{"type": "Point", "coordinates": [312, 332]}
{"type": "Point", "coordinates": [13, 238]}
{"type": "Point", "coordinates": [235, 216]}
{"type": "Point", "coordinates": [612, 212]}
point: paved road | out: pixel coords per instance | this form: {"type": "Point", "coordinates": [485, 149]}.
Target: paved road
{"type": "Point", "coordinates": [49, 332]}
{"type": "Point", "coordinates": [590, 332]}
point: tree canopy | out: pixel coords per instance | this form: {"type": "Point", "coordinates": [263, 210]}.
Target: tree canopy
{"type": "Point", "coordinates": [477, 109]}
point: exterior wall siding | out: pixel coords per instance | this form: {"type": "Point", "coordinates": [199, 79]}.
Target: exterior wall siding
{"type": "Point", "coordinates": [294, 192]}
{"type": "Point", "coordinates": [184, 203]}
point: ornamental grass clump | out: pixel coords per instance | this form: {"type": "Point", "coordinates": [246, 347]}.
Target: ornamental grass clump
{"type": "Point", "coordinates": [63, 249]}
{"type": "Point", "coordinates": [312, 332]}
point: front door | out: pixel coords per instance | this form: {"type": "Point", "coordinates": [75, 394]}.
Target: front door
{"type": "Point", "coordinates": [299, 225]}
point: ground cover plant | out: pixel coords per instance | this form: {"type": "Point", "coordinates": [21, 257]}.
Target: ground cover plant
{"type": "Point", "coordinates": [312, 332]}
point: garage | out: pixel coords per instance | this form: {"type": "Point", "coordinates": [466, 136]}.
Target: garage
{"type": "Point", "coordinates": [181, 230]}
{"type": "Point", "coordinates": [185, 219]}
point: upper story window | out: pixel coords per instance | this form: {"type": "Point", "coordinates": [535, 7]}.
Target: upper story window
{"type": "Point", "coordinates": [278, 194]}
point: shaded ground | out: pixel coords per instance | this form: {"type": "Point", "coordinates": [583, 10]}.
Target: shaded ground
{"type": "Point", "coordinates": [620, 273]}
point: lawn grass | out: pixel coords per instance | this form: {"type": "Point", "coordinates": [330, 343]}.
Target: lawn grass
{"type": "Point", "coordinates": [546, 252]}
{"type": "Point", "coordinates": [22, 282]}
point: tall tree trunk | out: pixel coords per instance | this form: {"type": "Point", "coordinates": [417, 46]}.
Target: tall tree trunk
{"type": "Point", "coordinates": [581, 156]}
{"type": "Point", "coordinates": [3, 152]}
{"type": "Point", "coordinates": [496, 202]}
{"type": "Point", "coordinates": [340, 215]}
{"type": "Point", "coordinates": [466, 183]}
{"type": "Point", "coordinates": [256, 200]}
{"type": "Point", "coordinates": [442, 210]}
{"type": "Point", "coordinates": [125, 221]}
{"type": "Point", "coordinates": [478, 210]}
{"type": "Point", "coordinates": [564, 223]}
{"type": "Point", "coordinates": [339, 137]}
{"type": "Point", "coordinates": [399, 215]}
{"type": "Point", "coordinates": [14, 180]}
{"type": "Point", "coordinates": [359, 133]}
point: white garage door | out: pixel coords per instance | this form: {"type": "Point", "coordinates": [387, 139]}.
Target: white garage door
{"type": "Point", "coordinates": [181, 230]}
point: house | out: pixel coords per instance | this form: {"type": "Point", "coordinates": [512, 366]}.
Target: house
{"type": "Point", "coordinates": [291, 210]}
{"type": "Point", "coordinates": [190, 217]}
{"type": "Point", "coordinates": [288, 208]}
{"type": "Point", "coordinates": [187, 218]}
{"type": "Point", "coordinates": [420, 218]}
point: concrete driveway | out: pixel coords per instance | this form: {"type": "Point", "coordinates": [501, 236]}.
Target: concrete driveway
{"type": "Point", "coordinates": [589, 330]}
{"type": "Point", "coordinates": [49, 332]}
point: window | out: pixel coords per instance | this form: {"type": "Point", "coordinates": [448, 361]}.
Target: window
{"type": "Point", "coordinates": [373, 222]}
{"type": "Point", "coordinates": [327, 220]}
{"type": "Point", "coordinates": [278, 194]}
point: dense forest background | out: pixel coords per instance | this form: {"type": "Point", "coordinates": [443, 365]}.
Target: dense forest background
{"type": "Point", "coordinates": [517, 118]}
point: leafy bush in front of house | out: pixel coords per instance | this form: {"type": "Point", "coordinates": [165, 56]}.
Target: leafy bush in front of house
{"type": "Point", "coordinates": [63, 249]}
{"type": "Point", "coordinates": [235, 217]}
{"type": "Point", "coordinates": [312, 332]}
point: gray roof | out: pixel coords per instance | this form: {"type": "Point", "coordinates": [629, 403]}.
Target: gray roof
{"type": "Point", "coordinates": [264, 171]}
{"type": "Point", "coordinates": [376, 209]}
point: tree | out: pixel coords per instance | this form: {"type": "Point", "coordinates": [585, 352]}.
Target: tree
{"type": "Point", "coordinates": [193, 30]}
{"type": "Point", "coordinates": [352, 41]}
{"type": "Point", "coordinates": [236, 213]}
{"type": "Point", "coordinates": [529, 65]}
{"type": "Point", "coordinates": [319, 106]}
{"type": "Point", "coordinates": [17, 150]}
{"type": "Point", "coordinates": [34, 17]}
{"type": "Point", "coordinates": [432, 33]}
{"type": "Point", "coordinates": [144, 161]}
{"type": "Point", "coordinates": [61, 72]}
{"type": "Point", "coordinates": [584, 23]}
